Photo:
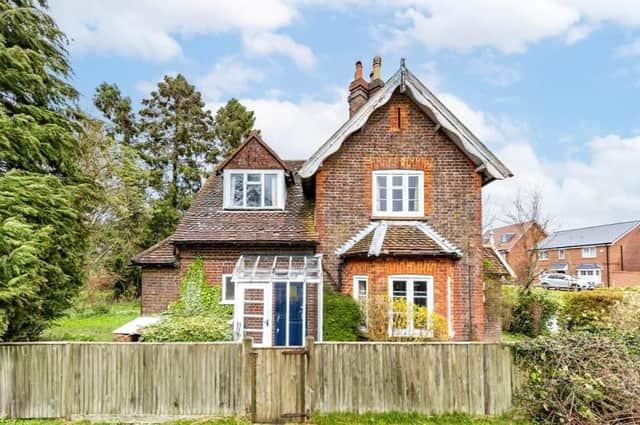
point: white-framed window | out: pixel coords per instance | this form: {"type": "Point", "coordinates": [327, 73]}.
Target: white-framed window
{"type": "Point", "coordinates": [589, 252]}
{"type": "Point", "coordinates": [543, 254]}
{"type": "Point", "coordinates": [411, 300]}
{"type": "Point", "coordinates": [398, 193]}
{"type": "Point", "coordinates": [506, 237]}
{"type": "Point", "coordinates": [361, 295]}
{"type": "Point", "coordinates": [228, 289]}
{"type": "Point", "coordinates": [561, 254]}
{"type": "Point", "coordinates": [254, 189]}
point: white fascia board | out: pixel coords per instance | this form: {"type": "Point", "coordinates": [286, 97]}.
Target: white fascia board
{"type": "Point", "coordinates": [356, 238]}
{"type": "Point", "coordinates": [378, 239]}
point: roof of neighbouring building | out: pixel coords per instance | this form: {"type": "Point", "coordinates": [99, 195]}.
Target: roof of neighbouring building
{"type": "Point", "coordinates": [605, 234]}
{"type": "Point", "coordinates": [488, 164]}
{"type": "Point", "coordinates": [159, 254]}
{"type": "Point", "coordinates": [495, 263]}
{"type": "Point", "coordinates": [398, 238]}
{"type": "Point", "coordinates": [506, 237]}
{"type": "Point", "coordinates": [206, 221]}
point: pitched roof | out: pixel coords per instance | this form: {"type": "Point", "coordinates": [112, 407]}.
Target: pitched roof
{"type": "Point", "coordinates": [495, 263]}
{"type": "Point", "coordinates": [398, 238]}
{"type": "Point", "coordinates": [605, 234]}
{"type": "Point", "coordinates": [255, 136]}
{"type": "Point", "coordinates": [159, 254]}
{"type": "Point", "coordinates": [517, 230]}
{"type": "Point", "coordinates": [207, 222]}
{"type": "Point", "coordinates": [489, 165]}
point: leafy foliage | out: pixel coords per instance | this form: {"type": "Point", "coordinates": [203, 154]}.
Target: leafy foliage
{"type": "Point", "coordinates": [233, 122]}
{"type": "Point", "coordinates": [433, 325]}
{"type": "Point", "coordinates": [531, 312]}
{"type": "Point", "coordinates": [580, 378]}
{"type": "Point", "coordinates": [117, 109]}
{"type": "Point", "coordinates": [400, 418]}
{"type": "Point", "coordinates": [43, 191]}
{"type": "Point", "coordinates": [341, 317]}
{"type": "Point", "coordinates": [197, 315]}
{"type": "Point", "coordinates": [589, 307]}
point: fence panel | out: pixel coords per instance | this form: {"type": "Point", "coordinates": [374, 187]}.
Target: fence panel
{"type": "Point", "coordinates": [425, 378]}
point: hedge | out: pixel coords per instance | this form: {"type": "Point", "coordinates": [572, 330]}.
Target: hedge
{"type": "Point", "coordinates": [341, 317]}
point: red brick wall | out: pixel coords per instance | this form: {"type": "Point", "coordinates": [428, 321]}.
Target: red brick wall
{"type": "Point", "coordinates": [630, 245]}
{"type": "Point", "coordinates": [518, 256]}
{"type": "Point", "coordinates": [253, 155]}
{"type": "Point", "coordinates": [343, 205]}
{"type": "Point", "coordinates": [378, 272]}
{"type": "Point", "coordinates": [160, 286]}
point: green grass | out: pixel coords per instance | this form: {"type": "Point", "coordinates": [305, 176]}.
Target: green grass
{"type": "Point", "coordinates": [411, 419]}
{"type": "Point", "coordinates": [93, 323]}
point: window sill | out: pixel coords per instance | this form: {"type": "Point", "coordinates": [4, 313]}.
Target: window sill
{"type": "Point", "coordinates": [406, 333]}
{"type": "Point", "coordinates": [255, 209]}
{"type": "Point", "coordinates": [227, 302]}
{"type": "Point", "coordinates": [398, 217]}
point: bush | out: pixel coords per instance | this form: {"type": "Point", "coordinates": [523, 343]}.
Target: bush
{"type": "Point", "coordinates": [532, 312]}
{"type": "Point", "coordinates": [579, 378]}
{"type": "Point", "coordinates": [189, 329]}
{"type": "Point", "coordinates": [589, 308]}
{"type": "Point", "coordinates": [378, 323]}
{"type": "Point", "coordinates": [341, 317]}
{"type": "Point", "coordinates": [197, 315]}
{"type": "Point", "coordinates": [509, 299]}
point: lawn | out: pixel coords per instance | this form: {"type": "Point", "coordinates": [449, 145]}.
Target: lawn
{"type": "Point", "coordinates": [411, 419]}
{"type": "Point", "coordinates": [92, 322]}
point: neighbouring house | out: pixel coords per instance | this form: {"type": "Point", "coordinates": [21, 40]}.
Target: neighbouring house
{"type": "Point", "coordinates": [390, 205]}
{"type": "Point", "coordinates": [607, 255]}
{"type": "Point", "coordinates": [515, 242]}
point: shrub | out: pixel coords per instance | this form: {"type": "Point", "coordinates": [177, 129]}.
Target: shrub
{"type": "Point", "coordinates": [532, 312]}
{"type": "Point", "coordinates": [626, 314]}
{"type": "Point", "coordinates": [509, 299]}
{"type": "Point", "coordinates": [579, 378]}
{"type": "Point", "coordinates": [197, 315]}
{"type": "Point", "coordinates": [378, 323]}
{"type": "Point", "coordinates": [189, 329]}
{"type": "Point", "coordinates": [341, 317]}
{"type": "Point", "coordinates": [589, 307]}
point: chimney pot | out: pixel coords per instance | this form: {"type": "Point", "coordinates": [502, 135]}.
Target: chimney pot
{"type": "Point", "coordinates": [358, 91]}
{"type": "Point", "coordinates": [376, 83]}
{"type": "Point", "coordinates": [358, 73]}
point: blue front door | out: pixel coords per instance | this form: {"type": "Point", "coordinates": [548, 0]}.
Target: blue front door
{"type": "Point", "coordinates": [289, 313]}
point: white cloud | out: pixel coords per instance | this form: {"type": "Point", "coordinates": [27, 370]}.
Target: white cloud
{"type": "Point", "coordinates": [147, 29]}
{"type": "Point", "coordinates": [296, 129]}
{"type": "Point", "coordinates": [267, 43]}
{"type": "Point", "coordinates": [600, 189]}
{"type": "Point", "coordinates": [494, 72]}
{"type": "Point", "coordinates": [229, 76]}
{"type": "Point", "coordinates": [506, 25]}
{"type": "Point", "coordinates": [630, 49]}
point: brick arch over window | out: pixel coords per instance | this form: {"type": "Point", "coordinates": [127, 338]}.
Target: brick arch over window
{"type": "Point", "coordinates": [424, 164]}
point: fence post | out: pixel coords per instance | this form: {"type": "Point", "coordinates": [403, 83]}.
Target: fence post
{"type": "Point", "coordinates": [249, 379]}
{"type": "Point", "coordinates": [309, 377]}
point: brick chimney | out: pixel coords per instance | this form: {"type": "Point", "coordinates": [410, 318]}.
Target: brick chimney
{"type": "Point", "coordinates": [358, 91]}
{"type": "Point", "coordinates": [376, 83]}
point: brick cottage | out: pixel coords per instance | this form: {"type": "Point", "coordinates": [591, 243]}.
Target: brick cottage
{"type": "Point", "coordinates": [390, 205]}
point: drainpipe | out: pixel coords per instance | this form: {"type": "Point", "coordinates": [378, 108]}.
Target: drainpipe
{"type": "Point", "coordinates": [608, 270]}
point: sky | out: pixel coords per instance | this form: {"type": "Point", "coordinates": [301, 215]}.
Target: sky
{"type": "Point", "coordinates": [550, 86]}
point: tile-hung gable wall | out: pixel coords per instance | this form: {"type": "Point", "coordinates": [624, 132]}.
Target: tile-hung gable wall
{"type": "Point", "coordinates": [253, 155]}
{"type": "Point", "coordinates": [452, 194]}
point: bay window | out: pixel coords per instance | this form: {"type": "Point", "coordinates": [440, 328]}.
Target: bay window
{"type": "Point", "coordinates": [411, 299]}
{"type": "Point", "coordinates": [254, 189]}
{"type": "Point", "coordinates": [398, 193]}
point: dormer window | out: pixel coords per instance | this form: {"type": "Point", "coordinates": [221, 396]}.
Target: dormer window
{"type": "Point", "coordinates": [254, 189]}
{"type": "Point", "coordinates": [398, 193]}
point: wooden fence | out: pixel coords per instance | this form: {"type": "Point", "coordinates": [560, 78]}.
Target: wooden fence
{"type": "Point", "coordinates": [155, 382]}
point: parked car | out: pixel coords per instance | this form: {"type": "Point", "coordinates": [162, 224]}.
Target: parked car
{"type": "Point", "coordinates": [563, 281]}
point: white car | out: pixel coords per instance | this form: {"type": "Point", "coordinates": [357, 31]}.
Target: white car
{"type": "Point", "coordinates": [563, 281]}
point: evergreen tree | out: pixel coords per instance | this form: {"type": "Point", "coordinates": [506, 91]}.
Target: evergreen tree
{"type": "Point", "coordinates": [233, 123]}
{"type": "Point", "coordinates": [43, 193]}
{"type": "Point", "coordinates": [177, 144]}
{"type": "Point", "coordinates": [117, 110]}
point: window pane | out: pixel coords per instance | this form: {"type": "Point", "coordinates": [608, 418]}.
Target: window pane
{"type": "Point", "coordinates": [269, 190]}
{"type": "Point", "coordinates": [412, 203]}
{"type": "Point", "coordinates": [237, 190]}
{"type": "Point", "coordinates": [362, 289]}
{"type": "Point", "coordinates": [413, 182]}
{"type": "Point", "coordinates": [229, 289]}
{"type": "Point", "coordinates": [396, 181]}
{"type": "Point", "coordinates": [254, 195]}
{"type": "Point", "coordinates": [253, 178]}
{"type": "Point", "coordinates": [381, 182]}
{"type": "Point", "coordinates": [420, 288]}
{"type": "Point", "coordinates": [399, 288]}
{"type": "Point", "coordinates": [396, 195]}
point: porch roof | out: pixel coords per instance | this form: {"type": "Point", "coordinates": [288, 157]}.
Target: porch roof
{"type": "Point", "coordinates": [270, 267]}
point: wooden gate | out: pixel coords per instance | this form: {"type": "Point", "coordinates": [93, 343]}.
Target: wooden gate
{"type": "Point", "coordinates": [281, 379]}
